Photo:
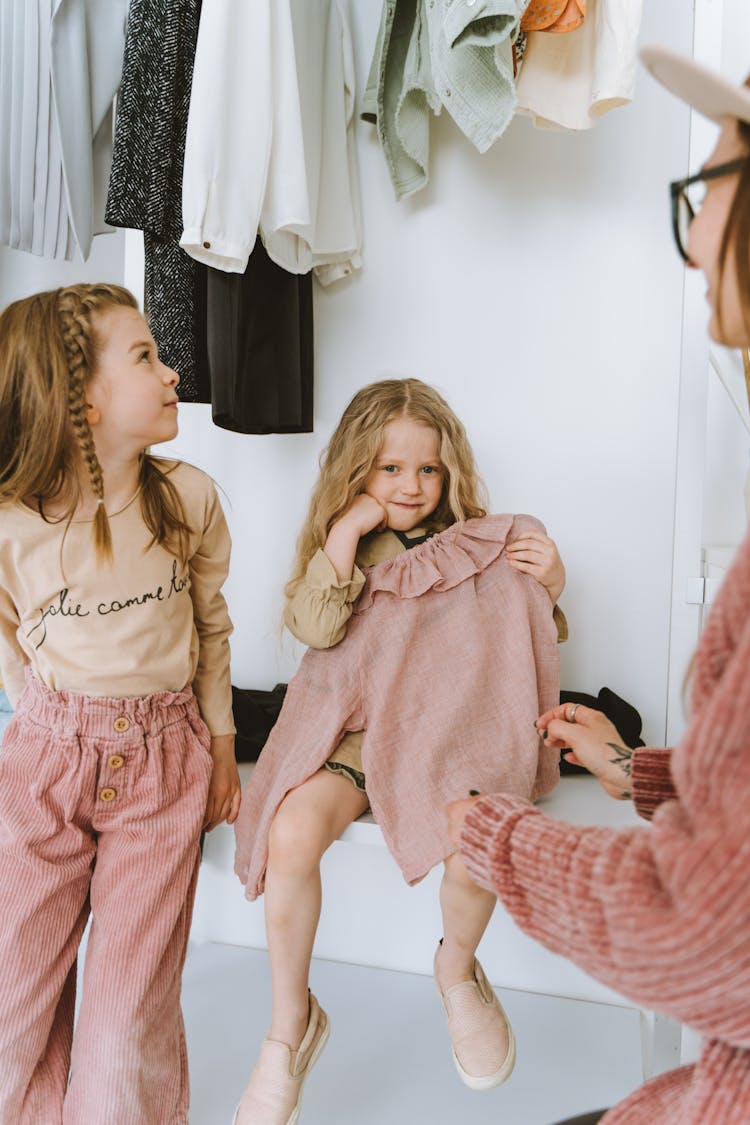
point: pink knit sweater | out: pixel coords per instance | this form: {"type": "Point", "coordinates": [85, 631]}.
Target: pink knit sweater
{"type": "Point", "coordinates": [661, 913]}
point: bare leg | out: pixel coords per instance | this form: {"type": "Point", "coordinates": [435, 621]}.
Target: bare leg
{"type": "Point", "coordinates": [483, 1043]}
{"type": "Point", "coordinates": [309, 819]}
{"type": "Point", "coordinates": [466, 910]}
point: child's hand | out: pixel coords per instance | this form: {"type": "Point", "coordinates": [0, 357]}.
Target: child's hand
{"type": "Point", "coordinates": [365, 514]}
{"type": "Point", "coordinates": [224, 788]}
{"type": "Point", "coordinates": [536, 554]}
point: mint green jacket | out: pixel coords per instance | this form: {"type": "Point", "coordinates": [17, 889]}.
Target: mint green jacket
{"type": "Point", "coordinates": [434, 53]}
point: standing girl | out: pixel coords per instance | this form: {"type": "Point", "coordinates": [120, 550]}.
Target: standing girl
{"type": "Point", "coordinates": [436, 628]}
{"type": "Point", "coordinates": [111, 615]}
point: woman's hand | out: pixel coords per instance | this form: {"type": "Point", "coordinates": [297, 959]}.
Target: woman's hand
{"type": "Point", "coordinates": [594, 742]}
{"type": "Point", "coordinates": [536, 554]}
{"type": "Point", "coordinates": [223, 801]}
{"type": "Point", "coordinates": [457, 811]}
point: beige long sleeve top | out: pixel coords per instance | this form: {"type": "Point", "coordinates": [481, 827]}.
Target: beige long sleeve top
{"type": "Point", "coordinates": [319, 610]}
{"type": "Point", "coordinates": [140, 624]}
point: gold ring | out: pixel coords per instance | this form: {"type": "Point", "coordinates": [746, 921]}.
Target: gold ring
{"type": "Point", "coordinates": [572, 713]}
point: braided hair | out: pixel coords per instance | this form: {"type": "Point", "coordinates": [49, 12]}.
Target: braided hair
{"type": "Point", "coordinates": [48, 353]}
{"type": "Point", "coordinates": [75, 305]}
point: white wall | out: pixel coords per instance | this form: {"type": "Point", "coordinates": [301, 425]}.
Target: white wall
{"type": "Point", "coordinates": [537, 287]}
{"type": "Point", "coordinates": [735, 16]}
{"type": "Point", "coordinates": [22, 274]}
{"type": "Point", "coordinates": [727, 455]}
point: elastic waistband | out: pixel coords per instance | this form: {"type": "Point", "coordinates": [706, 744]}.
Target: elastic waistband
{"type": "Point", "coordinates": [103, 716]}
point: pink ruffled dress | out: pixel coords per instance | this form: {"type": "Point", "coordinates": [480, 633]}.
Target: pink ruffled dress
{"type": "Point", "coordinates": [449, 657]}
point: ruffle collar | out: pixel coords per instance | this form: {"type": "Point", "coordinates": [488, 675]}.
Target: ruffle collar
{"type": "Point", "coordinates": [442, 562]}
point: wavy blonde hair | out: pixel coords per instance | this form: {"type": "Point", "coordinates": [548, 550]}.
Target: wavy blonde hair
{"type": "Point", "coordinates": [353, 451]}
{"type": "Point", "coordinates": [49, 349]}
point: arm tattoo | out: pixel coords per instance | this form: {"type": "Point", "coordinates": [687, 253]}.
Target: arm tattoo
{"type": "Point", "coordinates": [622, 757]}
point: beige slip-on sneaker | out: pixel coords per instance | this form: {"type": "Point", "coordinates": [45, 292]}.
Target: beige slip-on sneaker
{"type": "Point", "coordinates": [484, 1046]}
{"type": "Point", "coordinates": [274, 1093]}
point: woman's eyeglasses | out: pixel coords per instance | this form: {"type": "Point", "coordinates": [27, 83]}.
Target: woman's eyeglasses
{"type": "Point", "coordinates": [688, 195]}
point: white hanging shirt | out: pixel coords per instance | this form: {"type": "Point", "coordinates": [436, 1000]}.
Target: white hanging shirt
{"type": "Point", "coordinates": [270, 144]}
{"type": "Point", "coordinates": [568, 81]}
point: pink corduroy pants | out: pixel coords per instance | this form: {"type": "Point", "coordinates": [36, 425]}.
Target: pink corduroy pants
{"type": "Point", "coordinates": [101, 804]}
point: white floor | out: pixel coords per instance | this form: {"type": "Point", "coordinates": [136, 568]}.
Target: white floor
{"type": "Point", "coordinates": [388, 1060]}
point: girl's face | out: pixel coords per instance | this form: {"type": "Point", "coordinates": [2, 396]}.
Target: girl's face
{"type": "Point", "coordinates": [407, 477]}
{"type": "Point", "coordinates": [131, 396]}
{"type": "Point", "coordinates": [704, 242]}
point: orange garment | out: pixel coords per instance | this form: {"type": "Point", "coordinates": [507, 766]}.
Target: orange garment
{"type": "Point", "coordinates": [557, 16]}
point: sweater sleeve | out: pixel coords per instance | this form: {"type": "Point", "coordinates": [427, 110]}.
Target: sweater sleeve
{"type": "Point", "coordinates": [651, 777]}
{"type": "Point", "coordinates": [658, 913]}
{"type": "Point", "coordinates": [319, 610]}
{"type": "Point", "coordinates": [209, 567]}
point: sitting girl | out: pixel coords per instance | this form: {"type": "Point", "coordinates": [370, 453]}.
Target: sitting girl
{"type": "Point", "coordinates": [433, 648]}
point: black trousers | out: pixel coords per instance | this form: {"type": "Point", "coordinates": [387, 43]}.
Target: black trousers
{"type": "Point", "coordinates": [259, 344]}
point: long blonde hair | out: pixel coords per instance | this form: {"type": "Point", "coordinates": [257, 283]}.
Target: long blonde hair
{"type": "Point", "coordinates": [736, 233]}
{"type": "Point", "coordinates": [48, 353]}
{"type": "Point", "coordinates": [353, 450]}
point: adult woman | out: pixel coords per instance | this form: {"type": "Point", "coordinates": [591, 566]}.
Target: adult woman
{"type": "Point", "coordinates": [661, 914]}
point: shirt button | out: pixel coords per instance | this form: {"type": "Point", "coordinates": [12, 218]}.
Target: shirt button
{"type": "Point", "coordinates": [116, 761]}
{"type": "Point", "coordinates": [121, 724]}
{"type": "Point", "coordinates": [206, 245]}
{"type": "Point", "coordinates": [108, 794]}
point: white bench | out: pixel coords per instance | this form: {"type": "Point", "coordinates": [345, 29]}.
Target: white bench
{"type": "Point", "coordinates": [371, 917]}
